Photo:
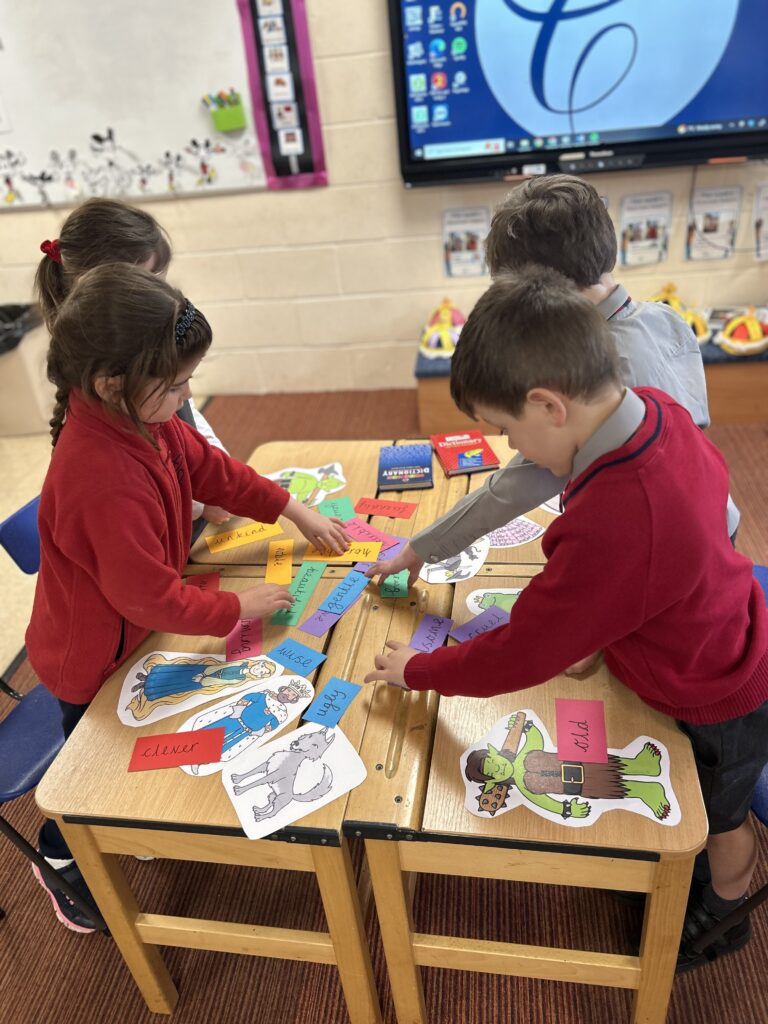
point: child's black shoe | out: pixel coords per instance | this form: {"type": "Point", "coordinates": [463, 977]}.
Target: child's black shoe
{"type": "Point", "coordinates": [71, 917]}
{"type": "Point", "coordinates": [698, 921]}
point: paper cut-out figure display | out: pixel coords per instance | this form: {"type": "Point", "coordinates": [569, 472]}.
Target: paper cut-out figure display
{"type": "Point", "coordinates": [310, 486]}
{"type": "Point", "coordinates": [459, 567]}
{"type": "Point", "coordinates": [499, 597]}
{"type": "Point", "coordinates": [523, 767]}
{"type": "Point", "coordinates": [290, 777]}
{"type": "Point", "coordinates": [163, 682]}
{"type": "Point", "coordinates": [250, 718]}
{"type": "Point", "coordinates": [441, 335]}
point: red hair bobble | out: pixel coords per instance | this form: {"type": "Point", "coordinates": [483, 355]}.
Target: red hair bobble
{"type": "Point", "coordinates": [51, 250]}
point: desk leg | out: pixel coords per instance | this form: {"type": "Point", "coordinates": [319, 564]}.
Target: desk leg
{"type": "Point", "coordinates": [338, 891]}
{"type": "Point", "coordinates": [391, 890]}
{"type": "Point", "coordinates": [112, 893]}
{"type": "Point", "coordinates": [662, 927]}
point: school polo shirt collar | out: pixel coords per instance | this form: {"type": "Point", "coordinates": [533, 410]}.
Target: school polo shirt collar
{"type": "Point", "coordinates": [618, 304]}
{"type": "Point", "coordinates": [615, 432]}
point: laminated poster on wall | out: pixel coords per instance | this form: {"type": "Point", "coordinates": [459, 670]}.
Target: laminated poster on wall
{"type": "Point", "coordinates": [464, 232]}
{"type": "Point", "coordinates": [516, 764]}
{"type": "Point", "coordinates": [250, 718]}
{"type": "Point", "coordinates": [459, 567]}
{"type": "Point", "coordinates": [644, 228]}
{"type": "Point", "coordinates": [713, 221]}
{"type": "Point", "coordinates": [289, 778]}
{"type": "Point", "coordinates": [310, 486]}
{"type": "Point", "coordinates": [760, 222]}
{"type": "Point", "coordinates": [163, 683]}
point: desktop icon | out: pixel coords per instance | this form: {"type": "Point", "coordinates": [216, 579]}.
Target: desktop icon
{"type": "Point", "coordinates": [458, 46]}
{"type": "Point", "coordinates": [435, 15]}
{"type": "Point", "coordinates": [459, 79]}
{"type": "Point", "coordinates": [594, 136]}
{"type": "Point", "coordinates": [439, 113]}
{"type": "Point", "coordinates": [420, 115]}
{"type": "Point", "coordinates": [457, 12]}
{"type": "Point", "coordinates": [415, 51]}
{"type": "Point", "coordinates": [538, 143]}
{"type": "Point", "coordinates": [417, 82]}
{"type": "Point", "coordinates": [439, 80]}
{"type": "Point", "coordinates": [437, 47]}
{"type": "Point", "coordinates": [414, 17]}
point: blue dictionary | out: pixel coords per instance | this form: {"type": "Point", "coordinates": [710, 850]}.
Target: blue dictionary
{"type": "Point", "coordinates": [403, 467]}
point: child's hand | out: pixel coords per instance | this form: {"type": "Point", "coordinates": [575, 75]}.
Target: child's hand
{"type": "Point", "coordinates": [581, 666]}
{"type": "Point", "coordinates": [325, 532]}
{"type": "Point", "coordinates": [407, 559]}
{"type": "Point", "coordinates": [391, 667]}
{"type": "Point", "coordinates": [264, 600]}
{"type": "Point", "coordinates": [216, 515]}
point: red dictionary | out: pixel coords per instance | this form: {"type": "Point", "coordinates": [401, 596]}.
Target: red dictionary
{"type": "Point", "coordinates": [464, 453]}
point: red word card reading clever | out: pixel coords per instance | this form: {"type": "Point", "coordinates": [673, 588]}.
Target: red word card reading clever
{"type": "Point", "coordinates": [169, 750]}
{"type": "Point", "coordinates": [378, 507]}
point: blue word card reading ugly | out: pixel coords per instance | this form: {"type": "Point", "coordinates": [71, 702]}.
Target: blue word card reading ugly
{"type": "Point", "coordinates": [297, 657]}
{"type": "Point", "coordinates": [331, 703]}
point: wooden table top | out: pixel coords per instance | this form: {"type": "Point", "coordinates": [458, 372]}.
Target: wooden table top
{"type": "Point", "coordinates": [462, 720]}
{"type": "Point", "coordinates": [89, 779]}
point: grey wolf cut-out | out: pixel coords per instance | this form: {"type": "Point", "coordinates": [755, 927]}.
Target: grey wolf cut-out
{"type": "Point", "coordinates": [280, 770]}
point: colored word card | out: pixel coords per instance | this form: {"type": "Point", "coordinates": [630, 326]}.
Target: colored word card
{"type": "Point", "coordinates": [304, 582]}
{"type": "Point", "coordinates": [245, 640]}
{"type": "Point", "coordinates": [395, 585]}
{"type": "Point", "coordinates": [241, 536]}
{"type": "Point", "coordinates": [581, 731]}
{"type": "Point", "coordinates": [384, 556]}
{"type": "Point", "coordinates": [171, 750]}
{"type": "Point", "coordinates": [341, 508]}
{"type": "Point", "coordinates": [332, 701]}
{"type": "Point", "coordinates": [359, 530]}
{"type": "Point", "coordinates": [490, 619]}
{"type": "Point", "coordinates": [378, 507]}
{"type": "Point", "coordinates": [431, 633]}
{"type": "Point", "coordinates": [344, 595]}
{"type": "Point", "coordinates": [297, 657]}
{"type": "Point", "coordinates": [205, 581]}
{"type": "Point", "coordinates": [279, 562]}
{"type": "Point", "coordinates": [358, 550]}
{"type": "Point", "coordinates": [319, 623]}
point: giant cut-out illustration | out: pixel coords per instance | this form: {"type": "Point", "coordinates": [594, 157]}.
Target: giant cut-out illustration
{"type": "Point", "coordinates": [516, 764]}
{"type": "Point", "coordinates": [310, 486]}
{"type": "Point", "coordinates": [459, 567]}
{"type": "Point", "coordinates": [162, 683]}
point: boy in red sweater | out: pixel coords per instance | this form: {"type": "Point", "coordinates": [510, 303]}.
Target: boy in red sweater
{"type": "Point", "coordinates": [639, 566]}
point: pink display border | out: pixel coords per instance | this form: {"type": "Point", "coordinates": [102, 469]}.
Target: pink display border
{"type": "Point", "coordinates": [319, 175]}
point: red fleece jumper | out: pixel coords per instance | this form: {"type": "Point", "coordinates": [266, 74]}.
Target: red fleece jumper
{"type": "Point", "coordinates": [640, 566]}
{"type": "Point", "coordinates": [115, 525]}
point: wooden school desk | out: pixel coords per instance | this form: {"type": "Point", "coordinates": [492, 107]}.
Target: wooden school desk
{"type": "Point", "coordinates": [433, 833]}
{"type": "Point", "coordinates": [103, 810]}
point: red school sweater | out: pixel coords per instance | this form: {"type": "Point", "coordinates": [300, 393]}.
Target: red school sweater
{"type": "Point", "coordinates": [115, 526]}
{"type": "Point", "coordinates": [640, 566]}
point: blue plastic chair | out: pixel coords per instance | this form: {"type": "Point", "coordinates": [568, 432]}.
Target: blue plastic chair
{"type": "Point", "coordinates": [31, 735]}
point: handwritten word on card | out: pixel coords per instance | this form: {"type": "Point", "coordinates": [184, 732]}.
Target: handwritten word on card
{"type": "Point", "coordinates": [241, 536]}
{"type": "Point", "coordinates": [297, 657]}
{"type": "Point", "coordinates": [378, 507]}
{"type": "Point", "coordinates": [384, 556]}
{"type": "Point", "coordinates": [341, 508]}
{"type": "Point", "coordinates": [319, 623]}
{"type": "Point", "coordinates": [345, 593]}
{"type": "Point", "coordinates": [332, 701]}
{"type": "Point", "coordinates": [304, 582]}
{"type": "Point", "coordinates": [396, 585]}
{"type": "Point", "coordinates": [171, 750]}
{"type": "Point", "coordinates": [431, 633]}
{"type": "Point", "coordinates": [581, 731]}
{"type": "Point", "coordinates": [359, 530]}
{"type": "Point", "coordinates": [279, 562]}
{"type": "Point", "coordinates": [205, 581]}
{"type": "Point", "coordinates": [490, 619]}
{"type": "Point", "coordinates": [245, 640]}
{"type": "Point", "coordinates": [358, 551]}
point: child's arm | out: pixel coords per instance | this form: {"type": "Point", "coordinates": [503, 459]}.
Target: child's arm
{"type": "Point", "coordinates": [211, 513]}
{"type": "Point", "coordinates": [508, 493]}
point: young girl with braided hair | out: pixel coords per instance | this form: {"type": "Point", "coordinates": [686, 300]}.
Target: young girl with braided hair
{"type": "Point", "coordinates": [108, 231]}
{"type": "Point", "coordinates": [114, 512]}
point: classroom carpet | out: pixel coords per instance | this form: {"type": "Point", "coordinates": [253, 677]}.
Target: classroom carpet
{"type": "Point", "coordinates": [48, 973]}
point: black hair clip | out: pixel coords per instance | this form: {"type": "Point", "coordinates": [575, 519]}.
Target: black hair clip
{"type": "Point", "coordinates": [185, 321]}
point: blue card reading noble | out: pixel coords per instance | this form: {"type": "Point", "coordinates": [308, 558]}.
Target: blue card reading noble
{"type": "Point", "coordinates": [296, 657]}
{"type": "Point", "coordinates": [331, 703]}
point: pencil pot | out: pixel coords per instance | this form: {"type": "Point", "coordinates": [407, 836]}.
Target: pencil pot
{"type": "Point", "coordinates": [229, 119]}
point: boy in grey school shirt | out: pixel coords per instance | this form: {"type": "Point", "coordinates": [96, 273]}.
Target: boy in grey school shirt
{"type": "Point", "coordinates": [560, 221]}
